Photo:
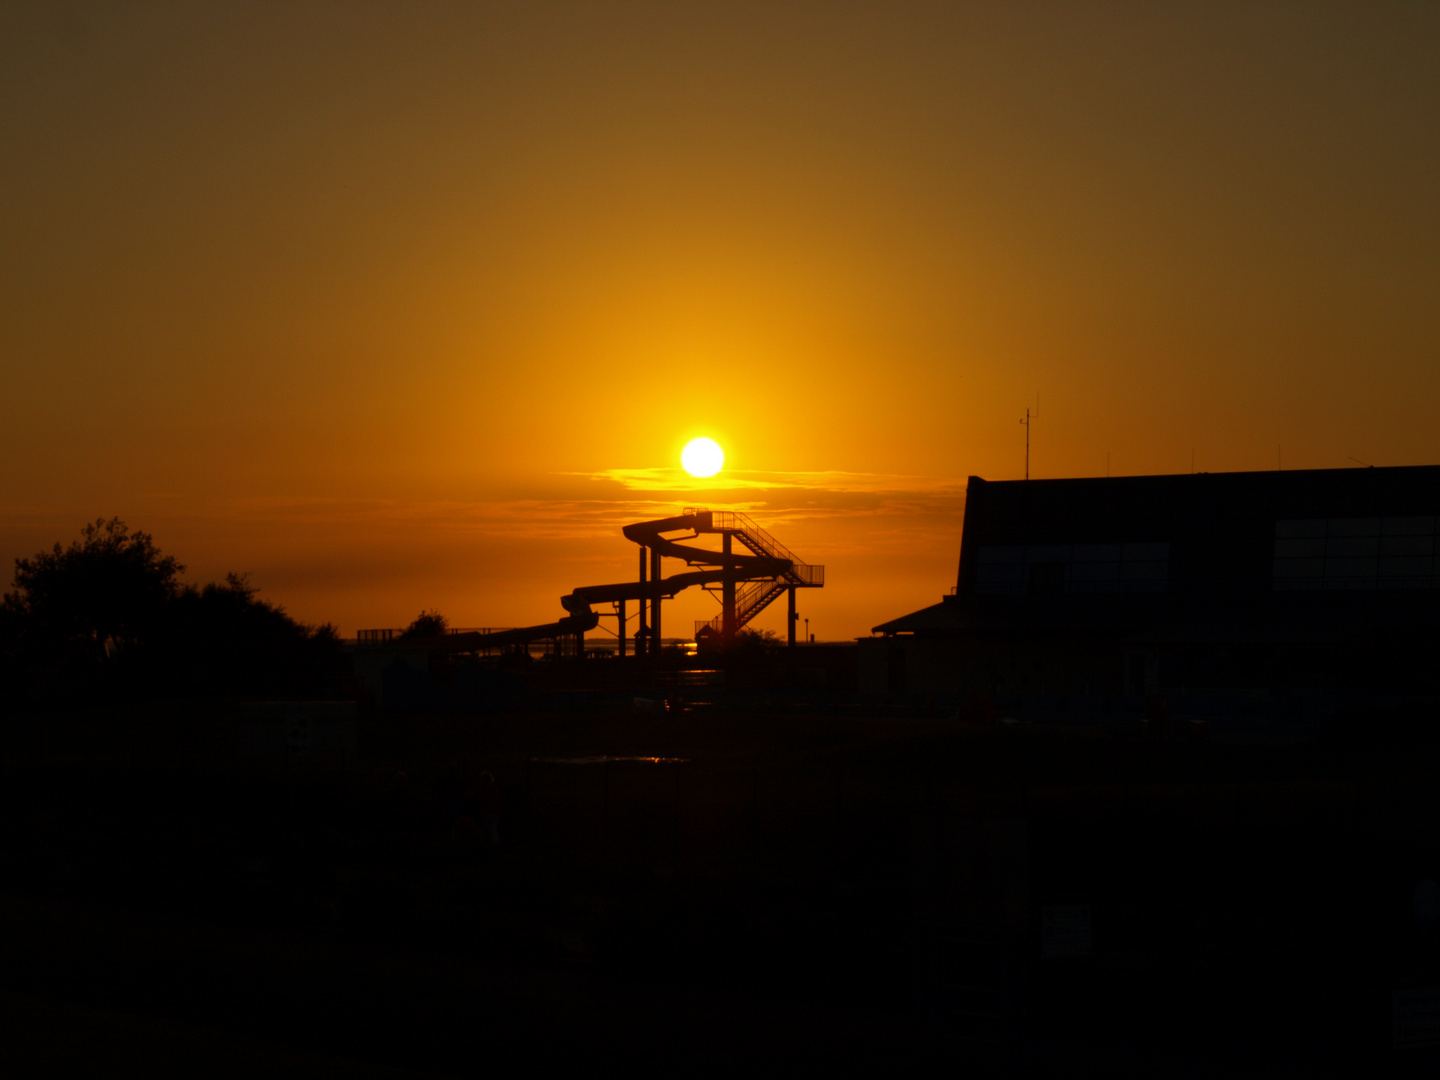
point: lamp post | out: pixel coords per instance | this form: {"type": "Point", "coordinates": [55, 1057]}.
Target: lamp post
{"type": "Point", "coordinates": [807, 631]}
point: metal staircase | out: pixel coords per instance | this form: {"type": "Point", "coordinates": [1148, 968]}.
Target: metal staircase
{"type": "Point", "coordinates": [755, 596]}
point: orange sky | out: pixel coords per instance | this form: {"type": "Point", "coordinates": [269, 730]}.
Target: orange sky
{"type": "Point", "coordinates": [401, 306]}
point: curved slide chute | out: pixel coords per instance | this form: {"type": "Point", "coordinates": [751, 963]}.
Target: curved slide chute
{"type": "Point", "coordinates": [648, 534]}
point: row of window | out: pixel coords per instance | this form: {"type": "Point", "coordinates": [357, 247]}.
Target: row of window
{"type": "Point", "coordinates": [1374, 526]}
{"type": "Point", "coordinates": [1355, 553]}
{"type": "Point", "coordinates": [1351, 546]}
{"type": "Point", "coordinates": [1016, 569]}
{"type": "Point", "coordinates": [1310, 553]}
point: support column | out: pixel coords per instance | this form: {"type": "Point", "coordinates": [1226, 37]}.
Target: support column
{"type": "Point", "coordinates": [655, 601]}
{"type": "Point", "coordinates": [642, 637]}
{"type": "Point", "coordinates": [727, 594]}
{"type": "Point", "coordinates": [793, 616]}
{"type": "Point", "coordinates": [620, 637]}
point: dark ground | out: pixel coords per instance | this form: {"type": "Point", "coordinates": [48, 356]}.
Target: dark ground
{"type": "Point", "coordinates": [778, 895]}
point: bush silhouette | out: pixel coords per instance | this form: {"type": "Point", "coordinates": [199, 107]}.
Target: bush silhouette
{"type": "Point", "coordinates": [426, 625]}
{"type": "Point", "coordinates": [223, 640]}
{"type": "Point", "coordinates": [108, 618]}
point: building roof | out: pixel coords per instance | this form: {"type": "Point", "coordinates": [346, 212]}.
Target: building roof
{"type": "Point", "coordinates": [1306, 555]}
{"type": "Point", "coordinates": [1204, 534]}
{"type": "Point", "coordinates": [941, 617]}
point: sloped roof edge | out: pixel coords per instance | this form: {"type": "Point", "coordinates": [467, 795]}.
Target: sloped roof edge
{"type": "Point", "coordinates": [942, 616]}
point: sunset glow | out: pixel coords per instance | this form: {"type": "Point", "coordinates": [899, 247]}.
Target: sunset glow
{"type": "Point", "coordinates": [410, 308]}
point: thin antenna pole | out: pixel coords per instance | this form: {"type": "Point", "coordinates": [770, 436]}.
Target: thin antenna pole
{"type": "Point", "coordinates": [1026, 422]}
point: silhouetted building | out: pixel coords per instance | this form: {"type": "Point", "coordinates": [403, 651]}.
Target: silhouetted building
{"type": "Point", "coordinates": [321, 731]}
{"type": "Point", "coordinates": [1266, 600]}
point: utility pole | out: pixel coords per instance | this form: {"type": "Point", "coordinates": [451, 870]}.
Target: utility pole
{"type": "Point", "coordinates": [642, 635]}
{"type": "Point", "coordinates": [656, 585]}
{"type": "Point", "coordinates": [727, 591]}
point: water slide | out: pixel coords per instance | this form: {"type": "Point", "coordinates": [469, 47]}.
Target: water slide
{"type": "Point", "coordinates": [771, 563]}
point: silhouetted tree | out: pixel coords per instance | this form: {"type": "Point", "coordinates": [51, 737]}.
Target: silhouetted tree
{"type": "Point", "coordinates": [108, 589]}
{"type": "Point", "coordinates": [13, 675]}
{"type": "Point", "coordinates": [107, 617]}
{"type": "Point", "coordinates": [427, 624]}
{"type": "Point", "coordinates": [755, 642]}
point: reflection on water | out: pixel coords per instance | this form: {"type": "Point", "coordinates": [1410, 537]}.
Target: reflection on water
{"type": "Point", "coordinates": [600, 759]}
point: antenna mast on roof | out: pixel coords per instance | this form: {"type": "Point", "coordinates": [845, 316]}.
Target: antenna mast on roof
{"type": "Point", "coordinates": [1028, 417]}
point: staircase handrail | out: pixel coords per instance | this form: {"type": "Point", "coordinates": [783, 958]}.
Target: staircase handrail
{"type": "Point", "coordinates": [755, 598]}
{"type": "Point", "coordinates": [759, 540]}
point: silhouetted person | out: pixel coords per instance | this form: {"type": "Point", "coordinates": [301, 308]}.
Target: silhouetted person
{"type": "Point", "coordinates": [407, 805]}
{"type": "Point", "coordinates": [1157, 716]}
{"type": "Point", "coordinates": [1426, 904]}
{"type": "Point", "coordinates": [467, 838]}
{"type": "Point", "coordinates": [491, 804]}
{"type": "Point", "coordinates": [451, 800]}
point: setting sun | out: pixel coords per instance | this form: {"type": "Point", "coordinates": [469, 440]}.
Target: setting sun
{"type": "Point", "coordinates": [702, 458]}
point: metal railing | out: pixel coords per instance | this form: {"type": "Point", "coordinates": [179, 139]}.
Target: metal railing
{"type": "Point", "coordinates": [755, 596]}
{"type": "Point", "coordinates": [386, 635]}
{"type": "Point", "coordinates": [692, 678]}
{"type": "Point", "coordinates": [752, 535]}
{"type": "Point", "coordinates": [762, 543]}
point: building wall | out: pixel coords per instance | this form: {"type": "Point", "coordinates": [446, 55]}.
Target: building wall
{"type": "Point", "coordinates": [1203, 534]}
{"type": "Point", "coordinates": [950, 668]}
{"type": "Point", "coordinates": [1321, 583]}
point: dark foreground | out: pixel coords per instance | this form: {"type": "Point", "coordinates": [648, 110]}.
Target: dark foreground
{"type": "Point", "coordinates": [810, 890]}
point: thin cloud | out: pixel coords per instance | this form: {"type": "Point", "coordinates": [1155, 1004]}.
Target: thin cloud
{"type": "Point", "coordinates": [677, 480]}
{"type": "Point", "coordinates": [564, 518]}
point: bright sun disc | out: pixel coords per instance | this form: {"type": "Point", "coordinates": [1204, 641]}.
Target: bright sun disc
{"type": "Point", "coordinates": [702, 457]}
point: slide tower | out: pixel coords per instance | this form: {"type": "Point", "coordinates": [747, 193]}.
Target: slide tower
{"type": "Point", "coordinates": [751, 570]}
